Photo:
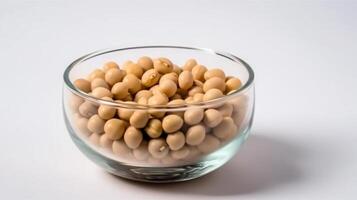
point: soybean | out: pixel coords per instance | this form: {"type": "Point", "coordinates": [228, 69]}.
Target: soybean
{"type": "Point", "coordinates": [113, 76]}
{"type": "Point", "coordinates": [158, 148]}
{"type": "Point", "coordinates": [145, 62]}
{"type": "Point", "coordinates": [133, 137]}
{"type": "Point", "coordinates": [114, 128]}
{"type": "Point", "coordinates": [83, 85]}
{"type": "Point", "coordinates": [163, 65]}
{"type": "Point", "coordinates": [172, 123]}
{"type": "Point", "coordinates": [154, 128]}
{"type": "Point", "coordinates": [185, 80]}
{"type": "Point", "coordinates": [195, 135]}
{"type": "Point", "coordinates": [176, 140]}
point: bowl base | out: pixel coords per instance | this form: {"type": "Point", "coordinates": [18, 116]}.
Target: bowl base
{"type": "Point", "coordinates": [162, 174]}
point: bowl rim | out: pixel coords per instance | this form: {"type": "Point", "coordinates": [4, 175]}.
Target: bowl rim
{"type": "Point", "coordinates": [133, 105]}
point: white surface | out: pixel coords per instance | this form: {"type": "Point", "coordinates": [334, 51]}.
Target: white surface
{"type": "Point", "coordinates": [303, 143]}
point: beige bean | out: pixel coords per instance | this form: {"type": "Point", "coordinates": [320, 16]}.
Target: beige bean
{"type": "Point", "coordinates": [158, 99]}
{"type": "Point", "coordinates": [209, 144]}
{"type": "Point", "coordinates": [181, 153]}
{"type": "Point", "coordinates": [106, 112]}
{"type": "Point", "coordinates": [120, 90]}
{"type": "Point", "coordinates": [134, 69]}
{"type": "Point", "coordinates": [158, 148]}
{"type": "Point", "coordinates": [198, 72]}
{"type": "Point", "coordinates": [226, 110]}
{"type": "Point", "coordinates": [193, 116]}
{"type": "Point", "coordinates": [145, 63]}
{"type": "Point", "coordinates": [195, 135]}
{"type": "Point", "coordinates": [185, 80]}
{"type": "Point", "coordinates": [233, 84]}
{"type": "Point", "coordinates": [163, 65]}
{"type": "Point", "coordinates": [141, 153]}
{"type": "Point", "coordinates": [114, 128]}
{"type": "Point", "coordinates": [172, 123]}
{"type": "Point", "coordinates": [97, 73]}
{"type": "Point", "coordinates": [81, 125]}
{"type": "Point", "coordinates": [98, 82]}
{"type": "Point", "coordinates": [239, 117]}
{"type": "Point", "coordinates": [171, 76]}
{"type": "Point", "coordinates": [87, 109]}
{"type": "Point", "coordinates": [120, 149]}
{"type": "Point", "coordinates": [74, 102]}
{"type": "Point", "coordinates": [190, 63]}
{"type": "Point", "coordinates": [114, 76]}
{"type": "Point", "coordinates": [133, 83]}
{"type": "Point", "coordinates": [94, 139]}
{"type": "Point", "coordinates": [212, 94]}
{"type": "Point", "coordinates": [212, 118]}
{"type": "Point", "coordinates": [105, 142]}
{"type": "Point", "coordinates": [101, 92]}
{"type": "Point", "coordinates": [240, 109]}
{"type": "Point", "coordinates": [226, 129]}
{"type": "Point", "coordinates": [110, 65]}
{"type": "Point", "coordinates": [125, 113]}
{"type": "Point", "coordinates": [150, 78]}
{"type": "Point", "coordinates": [96, 124]}
{"type": "Point", "coordinates": [214, 82]}
{"type": "Point", "coordinates": [143, 94]}
{"type": "Point", "coordinates": [139, 119]}
{"type": "Point", "coordinates": [198, 97]}
{"type": "Point", "coordinates": [176, 140]}
{"type": "Point", "coordinates": [82, 85]}
{"type": "Point", "coordinates": [168, 87]}
{"type": "Point", "coordinates": [215, 73]}
{"type": "Point", "coordinates": [133, 137]}
{"type": "Point", "coordinates": [194, 90]}
{"type": "Point", "coordinates": [154, 128]}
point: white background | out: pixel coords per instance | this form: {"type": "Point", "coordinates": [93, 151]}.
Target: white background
{"type": "Point", "coordinates": [304, 140]}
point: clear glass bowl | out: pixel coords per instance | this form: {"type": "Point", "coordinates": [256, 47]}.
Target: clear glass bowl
{"type": "Point", "coordinates": [219, 146]}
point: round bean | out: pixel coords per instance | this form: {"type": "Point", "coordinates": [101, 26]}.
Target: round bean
{"type": "Point", "coordinates": [83, 85]}
{"type": "Point", "coordinates": [145, 63]}
{"type": "Point", "coordinates": [176, 140]}
{"type": "Point", "coordinates": [193, 116]}
{"type": "Point", "coordinates": [133, 137]}
{"type": "Point", "coordinates": [158, 148]}
{"type": "Point", "coordinates": [114, 128]}
{"type": "Point", "coordinates": [172, 123]}
{"type": "Point", "coordinates": [163, 65]}
{"type": "Point", "coordinates": [185, 80]}
{"type": "Point", "coordinates": [195, 135]}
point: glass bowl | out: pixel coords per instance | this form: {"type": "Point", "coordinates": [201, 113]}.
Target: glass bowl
{"type": "Point", "coordinates": [220, 143]}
